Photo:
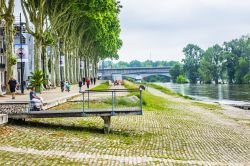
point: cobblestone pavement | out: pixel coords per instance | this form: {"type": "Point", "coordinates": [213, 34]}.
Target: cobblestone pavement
{"type": "Point", "coordinates": [183, 134]}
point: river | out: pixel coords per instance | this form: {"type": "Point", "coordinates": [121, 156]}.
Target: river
{"type": "Point", "coordinates": [222, 93]}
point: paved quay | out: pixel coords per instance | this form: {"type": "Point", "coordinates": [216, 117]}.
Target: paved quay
{"type": "Point", "coordinates": [51, 97]}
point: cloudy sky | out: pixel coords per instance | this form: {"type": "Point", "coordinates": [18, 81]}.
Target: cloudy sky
{"type": "Point", "coordinates": [161, 28]}
{"type": "Point", "coordinates": [164, 27]}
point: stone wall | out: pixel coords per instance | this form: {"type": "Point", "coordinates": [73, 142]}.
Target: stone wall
{"type": "Point", "coordinates": [12, 108]}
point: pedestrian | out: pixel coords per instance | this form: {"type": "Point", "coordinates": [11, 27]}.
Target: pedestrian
{"type": "Point", "coordinates": [83, 80]}
{"type": "Point", "coordinates": [88, 82]}
{"type": "Point", "coordinates": [94, 80]}
{"type": "Point", "coordinates": [80, 85]}
{"type": "Point", "coordinates": [67, 86]}
{"type": "Point", "coordinates": [62, 86]}
{"type": "Point", "coordinates": [35, 100]}
{"type": "Point", "coordinates": [91, 80]}
{"type": "Point", "coordinates": [12, 85]}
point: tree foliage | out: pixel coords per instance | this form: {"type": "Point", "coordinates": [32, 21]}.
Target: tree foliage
{"type": "Point", "coordinates": [229, 62]}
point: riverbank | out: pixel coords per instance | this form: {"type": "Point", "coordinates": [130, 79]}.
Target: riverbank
{"type": "Point", "coordinates": [230, 94]}
{"type": "Point", "coordinates": [172, 131]}
{"type": "Point", "coordinates": [228, 111]}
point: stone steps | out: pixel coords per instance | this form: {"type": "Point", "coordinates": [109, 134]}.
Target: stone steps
{"type": "Point", "coordinates": [3, 119]}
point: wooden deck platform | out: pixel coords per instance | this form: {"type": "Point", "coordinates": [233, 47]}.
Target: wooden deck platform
{"type": "Point", "coordinates": [86, 110]}
{"type": "Point", "coordinates": [77, 113]}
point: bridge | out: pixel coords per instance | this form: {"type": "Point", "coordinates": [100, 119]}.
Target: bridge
{"type": "Point", "coordinates": [135, 72]}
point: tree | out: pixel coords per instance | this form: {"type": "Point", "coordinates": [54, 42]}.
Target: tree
{"type": "Point", "coordinates": [175, 71]}
{"type": "Point", "coordinates": [135, 63]}
{"type": "Point", "coordinates": [211, 64]}
{"type": "Point", "coordinates": [6, 12]}
{"type": "Point", "coordinates": [193, 55]}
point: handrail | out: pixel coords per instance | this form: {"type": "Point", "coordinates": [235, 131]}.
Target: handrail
{"type": "Point", "coordinates": [113, 92]}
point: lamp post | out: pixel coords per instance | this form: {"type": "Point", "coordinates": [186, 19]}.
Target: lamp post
{"type": "Point", "coordinates": [61, 61]}
{"type": "Point", "coordinates": [21, 54]}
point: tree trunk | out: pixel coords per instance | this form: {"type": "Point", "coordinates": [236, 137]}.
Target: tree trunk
{"type": "Point", "coordinates": [66, 65]}
{"type": "Point", "coordinates": [9, 48]}
{"type": "Point", "coordinates": [52, 66]}
{"type": "Point", "coordinates": [70, 68]}
{"type": "Point", "coordinates": [38, 53]}
{"type": "Point", "coordinates": [57, 66]}
{"type": "Point", "coordinates": [85, 68]}
{"type": "Point", "coordinates": [78, 76]}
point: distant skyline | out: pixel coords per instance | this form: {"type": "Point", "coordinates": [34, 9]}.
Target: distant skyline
{"type": "Point", "coordinates": [164, 27]}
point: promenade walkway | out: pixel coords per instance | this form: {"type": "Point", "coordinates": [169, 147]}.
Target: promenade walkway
{"type": "Point", "coordinates": [49, 96]}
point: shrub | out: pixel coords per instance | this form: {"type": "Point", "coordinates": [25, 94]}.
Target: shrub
{"type": "Point", "coordinates": [37, 80]}
{"type": "Point", "coordinates": [181, 80]}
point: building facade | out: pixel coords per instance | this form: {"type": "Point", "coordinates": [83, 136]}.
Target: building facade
{"type": "Point", "coordinates": [25, 42]}
{"type": "Point", "coordinates": [2, 60]}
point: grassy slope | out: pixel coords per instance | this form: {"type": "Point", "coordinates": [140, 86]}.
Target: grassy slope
{"type": "Point", "coordinates": [196, 103]}
{"type": "Point", "coordinates": [102, 86]}
{"type": "Point", "coordinates": [150, 102]}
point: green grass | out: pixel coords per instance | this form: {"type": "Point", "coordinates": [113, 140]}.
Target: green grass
{"type": "Point", "coordinates": [208, 106]}
{"type": "Point", "coordinates": [102, 86]}
{"type": "Point", "coordinates": [150, 102]}
{"type": "Point", "coordinates": [167, 91]}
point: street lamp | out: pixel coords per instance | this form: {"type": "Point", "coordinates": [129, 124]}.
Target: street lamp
{"type": "Point", "coordinates": [61, 61]}
{"type": "Point", "coordinates": [21, 54]}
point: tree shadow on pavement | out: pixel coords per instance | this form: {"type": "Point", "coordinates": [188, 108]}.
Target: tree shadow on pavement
{"type": "Point", "coordinates": [52, 126]}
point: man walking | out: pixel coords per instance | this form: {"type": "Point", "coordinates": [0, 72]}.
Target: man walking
{"type": "Point", "coordinates": [83, 80]}
{"type": "Point", "coordinates": [80, 85]}
{"type": "Point", "coordinates": [91, 80]}
{"type": "Point", "coordinates": [12, 84]}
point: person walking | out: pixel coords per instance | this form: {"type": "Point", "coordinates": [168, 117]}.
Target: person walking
{"type": "Point", "coordinates": [91, 80]}
{"type": "Point", "coordinates": [94, 80]}
{"type": "Point", "coordinates": [12, 85]}
{"type": "Point", "coordinates": [83, 80]}
{"type": "Point", "coordinates": [67, 86]}
{"type": "Point", "coordinates": [80, 86]}
{"type": "Point", "coordinates": [88, 82]}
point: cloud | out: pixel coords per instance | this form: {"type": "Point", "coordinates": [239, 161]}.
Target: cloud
{"type": "Point", "coordinates": [166, 26]}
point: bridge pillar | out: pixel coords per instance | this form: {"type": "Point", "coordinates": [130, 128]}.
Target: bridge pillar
{"type": "Point", "coordinates": [107, 122]}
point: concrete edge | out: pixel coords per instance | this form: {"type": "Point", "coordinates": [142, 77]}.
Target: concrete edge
{"type": "Point", "coordinates": [3, 119]}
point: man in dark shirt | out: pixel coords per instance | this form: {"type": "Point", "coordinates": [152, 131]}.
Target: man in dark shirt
{"type": "Point", "coordinates": [80, 85]}
{"type": "Point", "coordinates": [91, 80]}
{"type": "Point", "coordinates": [83, 80]}
{"type": "Point", "coordinates": [12, 84]}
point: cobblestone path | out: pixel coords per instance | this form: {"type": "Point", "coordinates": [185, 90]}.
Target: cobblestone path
{"type": "Point", "coordinates": [181, 134]}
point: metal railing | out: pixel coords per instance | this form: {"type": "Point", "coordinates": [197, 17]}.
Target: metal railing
{"type": "Point", "coordinates": [112, 100]}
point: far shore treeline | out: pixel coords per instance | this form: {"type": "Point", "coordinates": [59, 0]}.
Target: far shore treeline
{"type": "Point", "coordinates": [226, 63]}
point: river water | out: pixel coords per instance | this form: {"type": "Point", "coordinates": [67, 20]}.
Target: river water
{"type": "Point", "coordinates": [222, 93]}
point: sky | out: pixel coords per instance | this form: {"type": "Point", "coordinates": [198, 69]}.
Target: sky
{"type": "Point", "coordinates": [160, 29]}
